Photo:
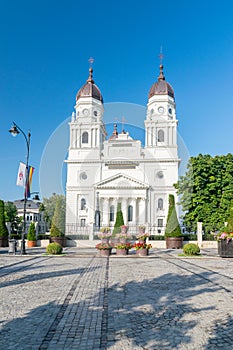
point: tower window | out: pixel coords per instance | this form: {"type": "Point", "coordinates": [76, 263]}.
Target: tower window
{"type": "Point", "coordinates": [111, 215]}
{"type": "Point", "coordinates": [160, 136]}
{"type": "Point", "coordinates": [130, 213]}
{"type": "Point", "coordinates": [160, 222]}
{"type": "Point", "coordinates": [85, 137]}
{"type": "Point", "coordinates": [83, 203]}
{"type": "Point", "coordinates": [160, 203]}
{"type": "Point", "coordinates": [95, 113]}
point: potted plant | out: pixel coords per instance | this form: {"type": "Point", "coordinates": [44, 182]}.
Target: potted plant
{"type": "Point", "coordinates": [173, 234]}
{"type": "Point", "coordinates": [3, 229]}
{"type": "Point", "coordinates": [31, 236]}
{"type": "Point", "coordinates": [123, 237]}
{"type": "Point", "coordinates": [141, 237]}
{"type": "Point", "coordinates": [142, 249]}
{"type": "Point", "coordinates": [104, 249]}
{"type": "Point", "coordinates": [105, 234]}
{"type": "Point", "coordinates": [123, 248]}
{"type": "Point", "coordinates": [142, 229]}
{"type": "Point", "coordinates": [57, 231]}
{"type": "Point", "coordinates": [225, 238]}
{"type": "Point", "coordinates": [124, 229]}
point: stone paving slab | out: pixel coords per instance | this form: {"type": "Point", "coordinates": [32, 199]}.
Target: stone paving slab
{"type": "Point", "coordinates": [82, 301]}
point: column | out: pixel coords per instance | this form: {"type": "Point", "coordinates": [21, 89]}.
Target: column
{"type": "Point", "coordinates": [142, 211]}
{"type": "Point", "coordinates": [124, 208]}
{"type": "Point", "coordinates": [105, 220]}
{"type": "Point", "coordinates": [133, 203]}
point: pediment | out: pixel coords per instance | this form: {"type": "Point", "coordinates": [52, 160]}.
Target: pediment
{"type": "Point", "coordinates": [121, 181]}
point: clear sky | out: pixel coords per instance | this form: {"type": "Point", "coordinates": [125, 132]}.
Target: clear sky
{"type": "Point", "coordinates": [45, 48]}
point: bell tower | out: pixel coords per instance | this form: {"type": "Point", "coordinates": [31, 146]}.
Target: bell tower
{"type": "Point", "coordinates": [161, 122]}
{"type": "Point", "coordinates": [87, 130]}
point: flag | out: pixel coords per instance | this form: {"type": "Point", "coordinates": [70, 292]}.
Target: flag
{"type": "Point", "coordinates": [29, 182]}
{"type": "Point", "coordinates": [21, 178]}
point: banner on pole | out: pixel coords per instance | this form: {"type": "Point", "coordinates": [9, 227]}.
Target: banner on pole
{"type": "Point", "coordinates": [21, 177]}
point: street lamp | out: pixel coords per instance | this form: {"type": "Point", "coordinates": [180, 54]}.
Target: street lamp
{"type": "Point", "coordinates": [15, 130]}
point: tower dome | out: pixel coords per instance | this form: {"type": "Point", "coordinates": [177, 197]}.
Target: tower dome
{"type": "Point", "coordinates": [161, 87]}
{"type": "Point", "coordinates": [90, 89]}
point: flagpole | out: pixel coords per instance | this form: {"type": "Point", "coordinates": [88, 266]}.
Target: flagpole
{"type": "Point", "coordinates": [15, 130]}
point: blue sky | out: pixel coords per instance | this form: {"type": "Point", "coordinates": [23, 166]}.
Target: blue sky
{"type": "Point", "coordinates": [45, 48]}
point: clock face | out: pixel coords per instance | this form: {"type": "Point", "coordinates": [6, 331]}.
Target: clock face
{"type": "Point", "coordinates": [85, 112]}
{"type": "Point", "coordinates": [161, 109]}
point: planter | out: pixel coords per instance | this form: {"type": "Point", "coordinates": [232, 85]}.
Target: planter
{"type": "Point", "coordinates": [105, 240]}
{"type": "Point", "coordinates": [174, 242]}
{"type": "Point", "coordinates": [122, 251]}
{"type": "Point", "coordinates": [114, 241]}
{"type": "Point", "coordinates": [105, 252]}
{"type": "Point", "coordinates": [142, 252]}
{"type": "Point", "coordinates": [4, 241]}
{"type": "Point", "coordinates": [225, 250]}
{"type": "Point", "coordinates": [31, 244]}
{"type": "Point", "coordinates": [59, 240]}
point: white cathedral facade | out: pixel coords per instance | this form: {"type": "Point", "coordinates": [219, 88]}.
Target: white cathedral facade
{"type": "Point", "coordinates": [102, 172]}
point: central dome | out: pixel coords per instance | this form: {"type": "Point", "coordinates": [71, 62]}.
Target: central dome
{"type": "Point", "coordinates": [161, 87]}
{"type": "Point", "coordinates": [90, 89]}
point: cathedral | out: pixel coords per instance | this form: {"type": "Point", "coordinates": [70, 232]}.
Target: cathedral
{"type": "Point", "coordinates": [104, 171]}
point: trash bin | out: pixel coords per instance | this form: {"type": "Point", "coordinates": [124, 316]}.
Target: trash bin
{"type": "Point", "coordinates": [12, 246]}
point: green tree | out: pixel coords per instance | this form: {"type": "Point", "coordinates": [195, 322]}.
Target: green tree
{"type": "Point", "coordinates": [31, 235]}
{"type": "Point", "coordinates": [3, 228]}
{"type": "Point", "coordinates": [229, 227]}
{"type": "Point", "coordinates": [172, 226]}
{"type": "Point", "coordinates": [58, 220]}
{"type": "Point", "coordinates": [10, 211]}
{"type": "Point", "coordinates": [48, 207]}
{"type": "Point", "coordinates": [206, 191]}
{"type": "Point", "coordinates": [119, 220]}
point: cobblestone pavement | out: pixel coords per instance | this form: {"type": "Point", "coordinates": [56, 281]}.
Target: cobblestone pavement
{"type": "Point", "coordinates": [84, 302]}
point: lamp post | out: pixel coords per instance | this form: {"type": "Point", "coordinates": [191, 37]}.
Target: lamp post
{"type": "Point", "coordinates": [15, 130]}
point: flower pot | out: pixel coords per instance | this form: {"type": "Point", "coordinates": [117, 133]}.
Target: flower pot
{"type": "Point", "coordinates": [174, 242]}
{"type": "Point", "coordinates": [122, 251]}
{"type": "Point", "coordinates": [142, 252]}
{"type": "Point", "coordinates": [225, 250]}
{"type": "Point", "coordinates": [31, 244]}
{"type": "Point", "coordinates": [3, 241]}
{"type": "Point", "coordinates": [105, 252]}
{"type": "Point", "coordinates": [59, 240]}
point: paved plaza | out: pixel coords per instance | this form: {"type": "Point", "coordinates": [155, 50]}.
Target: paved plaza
{"type": "Point", "coordinates": [85, 302]}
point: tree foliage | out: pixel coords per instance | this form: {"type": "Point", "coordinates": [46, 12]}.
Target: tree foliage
{"type": "Point", "coordinates": [48, 207]}
{"type": "Point", "coordinates": [58, 220]}
{"type": "Point", "coordinates": [3, 228]}
{"type": "Point", "coordinates": [206, 191]}
{"type": "Point", "coordinates": [172, 226]}
{"type": "Point", "coordinates": [10, 211]}
{"type": "Point", "coordinates": [119, 220]}
{"type": "Point", "coordinates": [229, 227]}
{"type": "Point", "coordinates": [31, 235]}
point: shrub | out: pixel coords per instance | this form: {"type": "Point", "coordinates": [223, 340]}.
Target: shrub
{"type": "Point", "coordinates": [119, 221]}
{"type": "Point", "coordinates": [3, 228]}
{"type": "Point", "coordinates": [54, 248]}
{"type": "Point", "coordinates": [31, 235]}
{"type": "Point", "coordinates": [172, 226]}
{"type": "Point", "coordinates": [191, 249]}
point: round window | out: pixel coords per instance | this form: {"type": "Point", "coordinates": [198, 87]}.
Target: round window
{"type": "Point", "coordinates": [160, 175]}
{"type": "Point", "coordinates": [83, 176]}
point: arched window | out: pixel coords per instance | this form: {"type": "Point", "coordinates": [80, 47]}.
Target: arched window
{"type": "Point", "coordinates": [160, 136]}
{"type": "Point", "coordinates": [130, 213]}
{"type": "Point", "coordinates": [111, 215]}
{"type": "Point", "coordinates": [85, 137]}
{"type": "Point", "coordinates": [160, 203]}
{"type": "Point", "coordinates": [83, 203]}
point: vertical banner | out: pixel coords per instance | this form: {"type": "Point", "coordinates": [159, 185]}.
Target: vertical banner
{"type": "Point", "coordinates": [29, 182]}
{"type": "Point", "coordinates": [21, 177]}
